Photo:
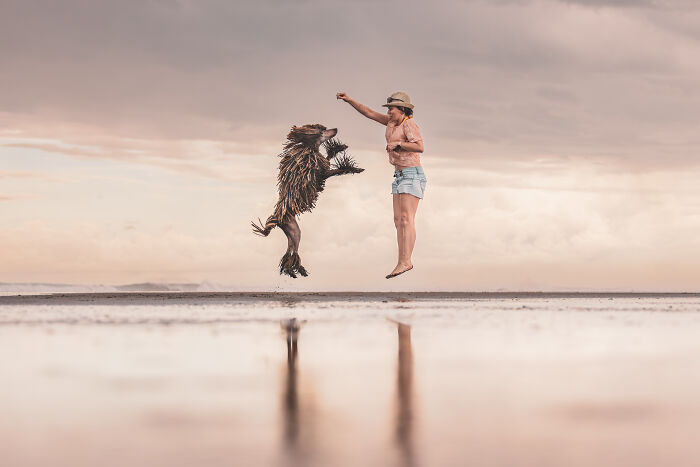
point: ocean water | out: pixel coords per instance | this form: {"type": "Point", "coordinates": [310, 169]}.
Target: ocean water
{"type": "Point", "coordinates": [375, 380]}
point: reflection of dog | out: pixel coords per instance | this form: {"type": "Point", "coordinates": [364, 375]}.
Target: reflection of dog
{"type": "Point", "coordinates": [302, 175]}
{"type": "Point", "coordinates": [296, 421]}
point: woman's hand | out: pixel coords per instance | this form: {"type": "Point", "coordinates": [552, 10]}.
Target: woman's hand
{"type": "Point", "coordinates": [363, 109]}
{"type": "Point", "coordinates": [390, 147]}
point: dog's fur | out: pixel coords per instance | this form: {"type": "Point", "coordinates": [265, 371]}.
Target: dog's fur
{"type": "Point", "coordinates": [302, 176]}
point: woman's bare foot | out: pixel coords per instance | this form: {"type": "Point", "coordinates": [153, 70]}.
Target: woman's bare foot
{"type": "Point", "coordinates": [400, 269]}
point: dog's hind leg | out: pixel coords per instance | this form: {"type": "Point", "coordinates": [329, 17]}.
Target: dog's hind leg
{"type": "Point", "coordinates": [291, 263]}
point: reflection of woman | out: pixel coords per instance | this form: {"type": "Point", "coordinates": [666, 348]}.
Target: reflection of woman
{"type": "Point", "coordinates": [404, 146]}
{"type": "Point", "coordinates": [404, 395]}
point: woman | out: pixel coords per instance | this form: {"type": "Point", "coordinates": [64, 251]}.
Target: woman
{"type": "Point", "coordinates": [404, 146]}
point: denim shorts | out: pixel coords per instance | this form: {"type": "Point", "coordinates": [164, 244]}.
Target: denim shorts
{"type": "Point", "coordinates": [410, 180]}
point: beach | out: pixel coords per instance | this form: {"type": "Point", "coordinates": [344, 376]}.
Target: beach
{"type": "Point", "coordinates": [347, 379]}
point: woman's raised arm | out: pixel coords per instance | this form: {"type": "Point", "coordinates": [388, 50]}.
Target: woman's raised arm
{"type": "Point", "coordinates": [363, 109]}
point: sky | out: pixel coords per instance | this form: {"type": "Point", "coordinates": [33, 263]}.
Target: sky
{"type": "Point", "coordinates": [138, 139]}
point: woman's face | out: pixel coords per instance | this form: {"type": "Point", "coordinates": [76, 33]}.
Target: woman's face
{"type": "Point", "coordinates": [395, 114]}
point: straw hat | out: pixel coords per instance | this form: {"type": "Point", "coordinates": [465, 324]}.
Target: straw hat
{"type": "Point", "coordinates": [398, 99]}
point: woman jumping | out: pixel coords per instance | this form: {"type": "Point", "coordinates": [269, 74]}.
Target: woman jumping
{"type": "Point", "coordinates": [404, 146]}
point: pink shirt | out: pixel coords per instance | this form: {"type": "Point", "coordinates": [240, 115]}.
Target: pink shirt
{"type": "Point", "coordinates": [407, 132]}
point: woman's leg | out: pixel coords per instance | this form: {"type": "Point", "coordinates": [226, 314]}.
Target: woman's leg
{"type": "Point", "coordinates": [397, 222]}
{"type": "Point", "coordinates": [405, 229]}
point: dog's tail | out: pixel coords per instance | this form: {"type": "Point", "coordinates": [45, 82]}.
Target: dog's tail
{"type": "Point", "coordinates": [264, 230]}
{"type": "Point", "coordinates": [290, 264]}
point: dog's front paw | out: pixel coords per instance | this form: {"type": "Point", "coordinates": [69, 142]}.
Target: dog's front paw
{"type": "Point", "coordinates": [334, 147]}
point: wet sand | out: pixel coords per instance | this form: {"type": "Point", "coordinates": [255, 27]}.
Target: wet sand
{"type": "Point", "coordinates": [155, 298]}
{"type": "Point", "coordinates": [345, 379]}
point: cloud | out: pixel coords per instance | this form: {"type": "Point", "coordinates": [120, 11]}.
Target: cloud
{"type": "Point", "coordinates": [614, 3]}
{"type": "Point", "coordinates": [13, 197]}
{"type": "Point", "coordinates": [511, 79]}
{"type": "Point", "coordinates": [573, 227]}
{"type": "Point", "coordinates": [656, 4]}
{"type": "Point", "coordinates": [199, 158]}
{"type": "Point", "coordinates": [27, 175]}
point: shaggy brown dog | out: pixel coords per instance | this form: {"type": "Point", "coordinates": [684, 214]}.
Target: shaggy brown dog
{"type": "Point", "coordinates": [302, 176]}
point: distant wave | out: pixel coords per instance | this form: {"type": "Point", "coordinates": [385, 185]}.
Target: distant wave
{"type": "Point", "coordinates": [8, 288]}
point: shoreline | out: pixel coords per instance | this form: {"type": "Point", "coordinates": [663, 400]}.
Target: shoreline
{"type": "Point", "coordinates": [119, 298]}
